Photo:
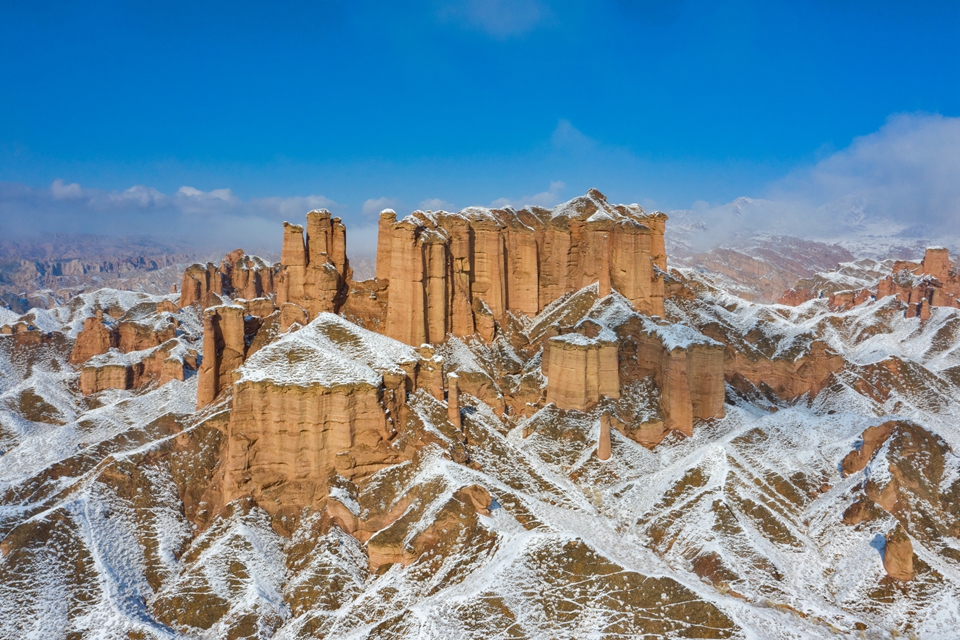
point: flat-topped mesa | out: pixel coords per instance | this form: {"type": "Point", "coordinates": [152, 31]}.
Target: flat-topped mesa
{"type": "Point", "coordinates": [452, 273]}
{"type": "Point", "coordinates": [237, 276]}
{"type": "Point", "coordinates": [582, 369]}
{"type": "Point", "coordinates": [314, 268]}
{"type": "Point", "coordinates": [327, 399]}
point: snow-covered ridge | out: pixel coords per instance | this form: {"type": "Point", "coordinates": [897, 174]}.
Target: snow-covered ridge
{"type": "Point", "coordinates": [329, 352]}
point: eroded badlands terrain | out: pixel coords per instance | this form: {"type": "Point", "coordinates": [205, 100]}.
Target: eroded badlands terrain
{"type": "Point", "coordinates": [527, 425]}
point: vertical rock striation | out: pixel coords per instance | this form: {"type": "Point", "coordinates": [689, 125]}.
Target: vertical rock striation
{"type": "Point", "coordinates": [462, 273]}
{"type": "Point", "coordinates": [237, 276]}
{"type": "Point", "coordinates": [314, 269]}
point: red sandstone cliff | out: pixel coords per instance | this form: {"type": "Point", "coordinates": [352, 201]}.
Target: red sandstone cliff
{"type": "Point", "coordinates": [461, 273]}
{"type": "Point", "coordinates": [237, 276]}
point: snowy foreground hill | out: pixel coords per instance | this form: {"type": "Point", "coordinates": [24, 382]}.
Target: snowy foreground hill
{"type": "Point", "coordinates": [774, 521]}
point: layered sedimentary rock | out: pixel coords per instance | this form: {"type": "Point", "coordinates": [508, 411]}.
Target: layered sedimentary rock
{"type": "Point", "coordinates": [142, 327]}
{"type": "Point", "coordinates": [327, 399]}
{"type": "Point", "coordinates": [788, 377]}
{"type": "Point", "coordinates": [139, 347]}
{"type": "Point", "coordinates": [224, 350]}
{"type": "Point", "coordinates": [908, 474]}
{"type": "Point", "coordinates": [95, 338]}
{"type": "Point", "coordinates": [238, 275]}
{"type": "Point", "coordinates": [461, 273]}
{"type": "Point", "coordinates": [931, 283]}
{"type": "Point", "coordinates": [686, 366]}
{"type": "Point", "coordinates": [898, 554]}
{"type": "Point", "coordinates": [116, 370]}
{"type": "Point", "coordinates": [582, 369]}
{"type": "Point", "coordinates": [314, 269]}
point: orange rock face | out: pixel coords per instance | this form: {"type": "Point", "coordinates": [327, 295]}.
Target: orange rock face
{"type": "Point", "coordinates": [787, 378]}
{"type": "Point", "coordinates": [224, 349]}
{"type": "Point", "coordinates": [932, 283]}
{"type": "Point", "coordinates": [238, 276]}
{"type": "Point", "coordinates": [314, 269]}
{"type": "Point", "coordinates": [328, 399]}
{"type": "Point", "coordinates": [94, 339]}
{"type": "Point", "coordinates": [115, 370]}
{"type": "Point", "coordinates": [898, 555]}
{"type": "Point", "coordinates": [460, 273]}
{"type": "Point", "coordinates": [795, 297]}
{"type": "Point", "coordinates": [581, 370]}
{"type": "Point", "coordinates": [603, 444]}
{"type": "Point", "coordinates": [615, 346]}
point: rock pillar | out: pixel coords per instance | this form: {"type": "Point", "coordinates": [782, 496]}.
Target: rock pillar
{"type": "Point", "coordinates": [208, 378]}
{"type": "Point", "coordinates": [675, 393]}
{"type": "Point", "coordinates": [453, 400]}
{"type": "Point", "coordinates": [604, 282]}
{"type": "Point", "coordinates": [898, 555]}
{"type": "Point", "coordinates": [603, 445]}
{"type": "Point", "coordinates": [936, 263]}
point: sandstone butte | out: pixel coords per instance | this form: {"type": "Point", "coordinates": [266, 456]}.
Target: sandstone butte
{"type": "Point", "coordinates": [932, 282]}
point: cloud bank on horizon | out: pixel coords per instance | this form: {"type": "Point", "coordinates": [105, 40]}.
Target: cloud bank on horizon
{"type": "Point", "coordinates": [903, 178]}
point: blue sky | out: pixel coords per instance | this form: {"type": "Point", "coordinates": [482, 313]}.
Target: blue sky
{"type": "Point", "coordinates": [136, 118]}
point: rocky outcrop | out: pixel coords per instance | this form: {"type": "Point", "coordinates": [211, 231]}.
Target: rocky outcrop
{"type": "Point", "coordinates": [603, 443]}
{"type": "Point", "coordinates": [581, 369]}
{"type": "Point", "coordinates": [224, 350]}
{"type": "Point", "coordinates": [908, 473]}
{"type": "Point", "coordinates": [115, 370]}
{"type": "Point", "coordinates": [314, 269]}
{"type": "Point", "coordinates": [143, 326]}
{"type": "Point", "coordinates": [898, 554]}
{"type": "Point", "coordinates": [795, 297]}
{"type": "Point", "coordinates": [327, 400]}
{"type": "Point", "coordinates": [844, 300]}
{"type": "Point", "coordinates": [94, 339]}
{"type": "Point", "coordinates": [461, 273]}
{"type": "Point", "coordinates": [612, 346]}
{"type": "Point", "coordinates": [931, 283]}
{"type": "Point", "coordinates": [237, 276]}
{"type": "Point", "coordinates": [785, 376]}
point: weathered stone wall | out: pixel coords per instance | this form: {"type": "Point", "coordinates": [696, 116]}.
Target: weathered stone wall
{"type": "Point", "coordinates": [581, 370]}
{"type": "Point", "coordinates": [314, 269]}
{"type": "Point", "coordinates": [284, 443]}
{"type": "Point", "coordinates": [445, 270]}
{"type": "Point", "coordinates": [238, 276]}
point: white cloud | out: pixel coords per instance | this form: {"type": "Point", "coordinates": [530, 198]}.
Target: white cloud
{"type": "Point", "coordinates": [436, 204]}
{"type": "Point", "coordinates": [498, 18]}
{"type": "Point", "coordinates": [139, 196]}
{"type": "Point", "coordinates": [292, 208]}
{"type": "Point", "coordinates": [566, 137]}
{"type": "Point", "coordinates": [376, 205]}
{"type": "Point", "coordinates": [215, 218]}
{"type": "Point", "coordinates": [362, 240]}
{"type": "Point", "coordinates": [900, 181]}
{"type": "Point", "coordinates": [547, 198]}
{"type": "Point", "coordinates": [907, 171]}
{"type": "Point", "coordinates": [63, 191]}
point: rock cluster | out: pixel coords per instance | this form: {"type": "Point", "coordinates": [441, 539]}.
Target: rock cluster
{"type": "Point", "coordinates": [326, 400]}
{"type": "Point", "coordinates": [461, 273]}
{"type": "Point", "coordinates": [314, 268]}
{"type": "Point", "coordinates": [139, 347]}
{"type": "Point", "coordinates": [237, 275]}
{"type": "Point", "coordinates": [931, 283]}
{"type": "Point", "coordinates": [582, 369]}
